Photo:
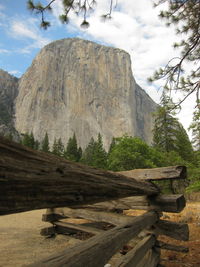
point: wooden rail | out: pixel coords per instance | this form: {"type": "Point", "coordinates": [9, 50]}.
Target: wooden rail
{"type": "Point", "coordinates": [32, 180]}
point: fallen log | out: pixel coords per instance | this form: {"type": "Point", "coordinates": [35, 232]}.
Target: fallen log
{"type": "Point", "coordinates": [97, 250]}
{"type": "Point", "coordinates": [32, 179]}
{"type": "Point", "coordinates": [166, 246]}
{"type": "Point", "coordinates": [172, 172]}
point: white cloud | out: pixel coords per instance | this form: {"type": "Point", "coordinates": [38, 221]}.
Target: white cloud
{"type": "Point", "coordinates": [4, 51]}
{"type": "Point", "coordinates": [27, 30]}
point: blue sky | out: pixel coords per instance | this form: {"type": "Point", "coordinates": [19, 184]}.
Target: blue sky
{"type": "Point", "coordinates": [135, 28]}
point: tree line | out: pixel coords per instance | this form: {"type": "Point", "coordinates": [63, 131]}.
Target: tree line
{"type": "Point", "coordinates": [170, 146]}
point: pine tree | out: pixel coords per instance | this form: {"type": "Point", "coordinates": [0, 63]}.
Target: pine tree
{"type": "Point", "coordinates": [28, 140]}
{"type": "Point", "coordinates": [58, 148]}
{"type": "Point", "coordinates": [183, 145]}
{"type": "Point", "coordinates": [168, 134]}
{"type": "Point", "coordinates": [112, 145]}
{"type": "Point", "coordinates": [100, 155]}
{"type": "Point", "coordinates": [69, 6]}
{"type": "Point", "coordinates": [80, 153]}
{"type": "Point", "coordinates": [45, 144]}
{"type": "Point", "coordinates": [165, 126]}
{"type": "Point", "coordinates": [94, 154]}
{"type": "Point", "coordinates": [72, 152]}
{"type": "Point", "coordinates": [87, 157]}
{"type": "Point", "coordinates": [184, 15]}
{"type": "Point", "coordinates": [36, 145]}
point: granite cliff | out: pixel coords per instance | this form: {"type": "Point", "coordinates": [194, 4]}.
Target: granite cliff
{"type": "Point", "coordinates": [79, 86]}
{"type": "Point", "coordinates": [8, 93]}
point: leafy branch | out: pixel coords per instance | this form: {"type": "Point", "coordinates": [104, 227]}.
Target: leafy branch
{"type": "Point", "coordinates": [185, 15]}
{"type": "Point", "coordinates": [79, 7]}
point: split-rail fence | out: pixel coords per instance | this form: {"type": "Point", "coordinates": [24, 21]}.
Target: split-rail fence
{"type": "Point", "coordinates": [32, 180]}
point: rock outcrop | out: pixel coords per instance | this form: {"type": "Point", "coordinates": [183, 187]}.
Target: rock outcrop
{"type": "Point", "coordinates": [8, 93]}
{"type": "Point", "coordinates": [79, 86]}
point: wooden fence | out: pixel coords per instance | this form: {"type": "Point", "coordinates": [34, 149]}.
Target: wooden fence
{"type": "Point", "coordinates": [33, 180]}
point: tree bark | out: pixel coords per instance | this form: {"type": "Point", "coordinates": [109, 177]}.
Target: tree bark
{"type": "Point", "coordinates": [134, 256]}
{"type": "Point", "coordinates": [171, 172]}
{"type": "Point", "coordinates": [167, 203]}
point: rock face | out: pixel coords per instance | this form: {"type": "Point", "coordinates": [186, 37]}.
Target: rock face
{"type": "Point", "coordinates": [78, 86]}
{"type": "Point", "coordinates": [8, 93]}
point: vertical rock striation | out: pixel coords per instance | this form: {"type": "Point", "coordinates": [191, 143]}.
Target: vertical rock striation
{"type": "Point", "coordinates": [8, 93]}
{"type": "Point", "coordinates": [79, 86]}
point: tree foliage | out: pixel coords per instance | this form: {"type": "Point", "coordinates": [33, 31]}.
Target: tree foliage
{"type": "Point", "coordinates": [168, 134]}
{"type": "Point", "coordinates": [45, 144]}
{"type": "Point", "coordinates": [58, 147]}
{"type": "Point", "coordinates": [129, 153]}
{"type": "Point", "coordinates": [165, 126]}
{"type": "Point", "coordinates": [29, 141]}
{"type": "Point", "coordinates": [72, 152]}
{"type": "Point", "coordinates": [95, 154]}
{"type": "Point", "coordinates": [80, 7]}
{"type": "Point", "coordinates": [185, 15]}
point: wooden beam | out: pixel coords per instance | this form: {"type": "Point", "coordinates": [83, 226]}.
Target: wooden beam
{"type": "Point", "coordinates": [151, 259]}
{"type": "Point", "coordinates": [64, 227]}
{"type": "Point", "coordinates": [167, 203]}
{"type": "Point", "coordinates": [172, 172]}
{"type": "Point", "coordinates": [97, 250]}
{"type": "Point", "coordinates": [178, 231]}
{"type": "Point", "coordinates": [98, 216]}
{"type": "Point", "coordinates": [172, 247]}
{"type": "Point", "coordinates": [32, 179]}
{"type": "Point", "coordinates": [134, 256]}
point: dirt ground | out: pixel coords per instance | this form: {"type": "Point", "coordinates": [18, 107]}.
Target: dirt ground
{"type": "Point", "coordinates": [22, 244]}
{"type": "Point", "coordinates": [190, 215]}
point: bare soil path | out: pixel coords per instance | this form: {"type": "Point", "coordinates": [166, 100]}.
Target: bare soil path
{"type": "Point", "coordinates": [21, 242]}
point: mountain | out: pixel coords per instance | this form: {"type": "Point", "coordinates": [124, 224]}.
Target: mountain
{"type": "Point", "coordinates": [75, 85]}
{"type": "Point", "coordinates": [8, 93]}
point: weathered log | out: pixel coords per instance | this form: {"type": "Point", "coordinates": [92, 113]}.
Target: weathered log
{"type": "Point", "coordinates": [97, 250]}
{"type": "Point", "coordinates": [32, 179]}
{"type": "Point", "coordinates": [134, 256]}
{"type": "Point", "coordinates": [98, 216]}
{"type": "Point", "coordinates": [64, 227]}
{"type": "Point", "coordinates": [172, 172]}
{"type": "Point", "coordinates": [151, 259]}
{"type": "Point", "coordinates": [179, 231]}
{"type": "Point", "coordinates": [167, 203]}
{"type": "Point", "coordinates": [166, 246]}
